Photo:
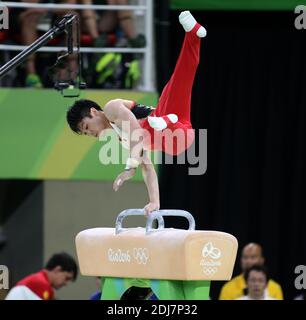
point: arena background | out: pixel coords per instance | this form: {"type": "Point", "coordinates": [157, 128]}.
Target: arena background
{"type": "Point", "coordinates": [249, 94]}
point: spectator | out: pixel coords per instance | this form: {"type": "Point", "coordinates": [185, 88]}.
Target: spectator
{"type": "Point", "coordinates": [251, 255]}
{"type": "Point", "coordinates": [28, 20]}
{"type": "Point", "coordinates": [58, 272]}
{"type": "Point", "coordinates": [109, 20]}
{"type": "Point", "coordinates": [113, 70]}
{"type": "Point", "coordinates": [25, 23]}
{"type": "Point", "coordinates": [256, 278]}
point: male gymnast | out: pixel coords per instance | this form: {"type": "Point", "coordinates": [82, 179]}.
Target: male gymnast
{"type": "Point", "coordinates": [166, 128]}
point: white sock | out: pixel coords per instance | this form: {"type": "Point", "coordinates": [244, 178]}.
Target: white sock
{"type": "Point", "coordinates": [159, 124]}
{"type": "Point", "coordinates": [188, 22]}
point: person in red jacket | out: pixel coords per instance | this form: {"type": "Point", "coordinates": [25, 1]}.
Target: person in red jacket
{"type": "Point", "coordinates": [58, 272]}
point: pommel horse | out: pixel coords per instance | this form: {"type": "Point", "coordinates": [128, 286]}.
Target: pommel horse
{"type": "Point", "coordinates": [176, 264]}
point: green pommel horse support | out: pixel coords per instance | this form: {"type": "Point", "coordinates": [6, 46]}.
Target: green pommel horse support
{"type": "Point", "coordinates": [176, 264]}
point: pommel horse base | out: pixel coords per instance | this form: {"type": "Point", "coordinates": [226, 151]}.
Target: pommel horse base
{"type": "Point", "coordinates": [176, 264]}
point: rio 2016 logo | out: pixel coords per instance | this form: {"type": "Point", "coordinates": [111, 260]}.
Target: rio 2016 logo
{"type": "Point", "coordinates": [210, 259]}
{"type": "Point", "coordinates": [140, 255]}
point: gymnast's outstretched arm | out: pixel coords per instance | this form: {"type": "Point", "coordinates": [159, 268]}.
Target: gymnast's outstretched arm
{"type": "Point", "coordinates": [116, 111]}
{"type": "Point", "coordinates": [151, 181]}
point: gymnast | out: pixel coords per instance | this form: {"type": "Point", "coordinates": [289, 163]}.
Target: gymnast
{"type": "Point", "coordinates": [165, 128]}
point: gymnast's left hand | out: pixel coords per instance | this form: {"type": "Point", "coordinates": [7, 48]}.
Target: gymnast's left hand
{"type": "Point", "coordinates": [126, 175]}
{"type": "Point", "coordinates": [152, 206]}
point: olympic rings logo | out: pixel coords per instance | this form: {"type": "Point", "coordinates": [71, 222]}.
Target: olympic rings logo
{"type": "Point", "coordinates": [141, 255]}
{"type": "Point", "coordinates": [209, 271]}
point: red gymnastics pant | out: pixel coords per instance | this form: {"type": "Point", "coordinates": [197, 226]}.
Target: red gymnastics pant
{"type": "Point", "coordinates": [176, 98]}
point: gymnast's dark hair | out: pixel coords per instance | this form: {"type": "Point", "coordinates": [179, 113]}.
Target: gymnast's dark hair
{"type": "Point", "coordinates": [78, 111]}
{"type": "Point", "coordinates": [259, 268]}
{"type": "Point", "coordinates": [65, 261]}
